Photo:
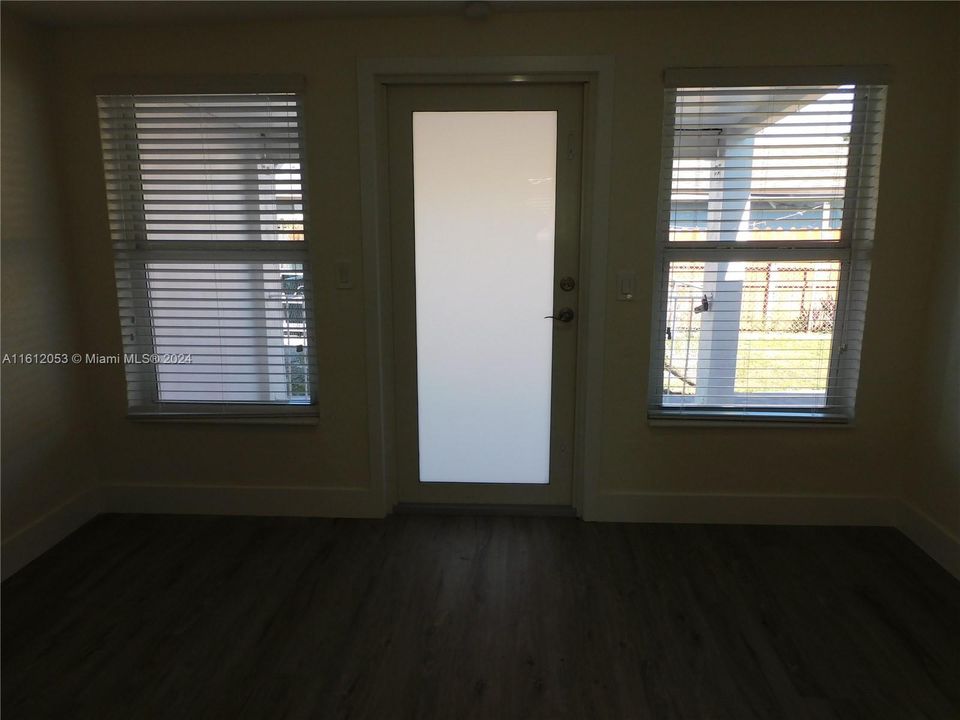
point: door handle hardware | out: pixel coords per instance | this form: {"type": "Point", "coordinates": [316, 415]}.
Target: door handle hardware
{"type": "Point", "coordinates": [564, 315]}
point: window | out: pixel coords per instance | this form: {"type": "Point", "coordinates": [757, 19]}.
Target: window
{"type": "Point", "coordinates": [688, 215]}
{"type": "Point", "coordinates": [766, 223]}
{"type": "Point", "coordinates": [205, 196]}
{"type": "Point", "coordinates": [795, 213]}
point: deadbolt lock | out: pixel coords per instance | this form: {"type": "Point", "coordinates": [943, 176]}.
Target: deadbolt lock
{"type": "Point", "coordinates": [567, 283]}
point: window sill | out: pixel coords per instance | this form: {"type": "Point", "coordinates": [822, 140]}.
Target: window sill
{"type": "Point", "coordinates": [225, 420]}
{"type": "Point", "coordinates": [731, 419]}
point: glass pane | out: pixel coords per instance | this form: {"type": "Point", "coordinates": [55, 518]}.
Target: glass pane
{"type": "Point", "coordinates": [242, 325]}
{"type": "Point", "coordinates": [484, 200]}
{"type": "Point", "coordinates": [755, 334]}
{"type": "Point", "coordinates": [760, 164]}
{"type": "Point", "coordinates": [210, 168]}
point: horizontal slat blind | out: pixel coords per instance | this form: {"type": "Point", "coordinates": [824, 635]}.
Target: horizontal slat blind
{"type": "Point", "coordinates": [766, 220]}
{"type": "Point", "coordinates": [205, 195]}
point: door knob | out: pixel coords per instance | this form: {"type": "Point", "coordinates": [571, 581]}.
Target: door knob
{"type": "Point", "coordinates": [564, 315]}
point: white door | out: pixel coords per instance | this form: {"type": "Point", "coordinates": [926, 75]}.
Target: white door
{"type": "Point", "coordinates": [485, 224]}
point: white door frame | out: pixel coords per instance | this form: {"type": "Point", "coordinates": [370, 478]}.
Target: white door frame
{"type": "Point", "coordinates": [374, 76]}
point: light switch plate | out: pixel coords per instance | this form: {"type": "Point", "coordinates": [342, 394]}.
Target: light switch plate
{"type": "Point", "coordinates": [344, 273]}
{"type": "Point", "coordinates": [626, 285]}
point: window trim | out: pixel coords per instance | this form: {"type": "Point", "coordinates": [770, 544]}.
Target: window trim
{"type": "Point", "coordinates": [746, 76]}
{"type": "Point", "coordinates": [853, 257]}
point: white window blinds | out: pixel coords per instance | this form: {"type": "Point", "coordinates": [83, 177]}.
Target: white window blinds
{"type": "Point", "coordinates": [205, 196]}
{"type": "Point", "coordinates": [767, 205]}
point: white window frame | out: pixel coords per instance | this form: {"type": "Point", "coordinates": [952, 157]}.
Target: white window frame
{"type": "Point", "coordinates": [852, 251]}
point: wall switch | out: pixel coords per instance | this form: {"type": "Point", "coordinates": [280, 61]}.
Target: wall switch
{"type": "Point", "coordinates": [626, 285]}
{"type": "Point", "coordinates": [344, 275]}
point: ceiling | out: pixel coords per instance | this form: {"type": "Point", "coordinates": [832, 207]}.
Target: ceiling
{"type": "Point", "coordinates": [90, 13]}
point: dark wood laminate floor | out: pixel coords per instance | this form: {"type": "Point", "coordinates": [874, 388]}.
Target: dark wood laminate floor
{"type": "Point", "coordinates": [478, 617]}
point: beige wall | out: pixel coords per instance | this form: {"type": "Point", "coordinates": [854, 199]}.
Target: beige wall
{"type": "Point", "coordinates": [42, 446]}
{"type": "Point", "coordinates": [936, 490]}
{"type": "Point", "coordinates": [872, 458]}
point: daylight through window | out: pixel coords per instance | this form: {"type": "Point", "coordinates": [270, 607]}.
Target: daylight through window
{"type": "Point", "coordinates": [205, 194]}
{"type": "Point", "coordinates": [766, 223]}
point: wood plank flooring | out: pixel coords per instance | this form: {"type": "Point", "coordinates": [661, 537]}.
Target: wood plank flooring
{"type": "Point", "coordinates": [487, 618]}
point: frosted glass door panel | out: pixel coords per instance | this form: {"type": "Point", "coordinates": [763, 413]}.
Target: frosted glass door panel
{"type": "Point", "coordinates": [484, 208]}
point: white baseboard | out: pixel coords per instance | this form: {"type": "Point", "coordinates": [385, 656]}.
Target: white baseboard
{"type": "Point", "coordinates": [32, 541]}
{"type": "Point", "coordinates": [26, 545]}
{"type": "Point", "coordinates": [931, 537]}
{"type": "Point", "coordinates": [41, 535]}
{"type": "Point", "coordinates": [240, 500]}
{"type": "Point", "coordinates": [744, 509]}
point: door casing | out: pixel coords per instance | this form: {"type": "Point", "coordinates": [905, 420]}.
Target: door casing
{"type": "Point", "coordinates": [375, 76]}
